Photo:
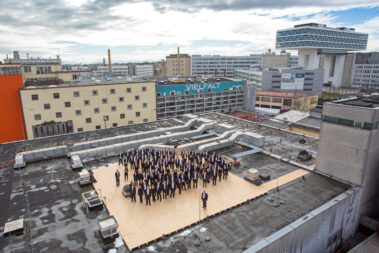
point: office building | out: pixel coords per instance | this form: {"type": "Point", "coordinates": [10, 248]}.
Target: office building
{"type": "Point", "coordinates": [322, 47]}
{"type": "Point", "coordinates": [37, 71]}
{"type": "Point", "coordinates": [144, 70]}
{"type": "Point", "coordinates": [222, 66]}
{"type": "Point", "coordinates": [12, 127]}
{"type": "Point", "coordinates": [87, 105]}
{"type": "Point", "coordinates": [296, 80]}
{"type": "Point", "coordinates": [176, 98]}
{"type": "Point", "coordinates": [366, 71]}
{"type": "Point", "coordinates": [117, 70]}
{"type": "Point", "coordinates": [178, 65]}
{"type": "Point", "coordinates": [282, 60]}
{"type": "Point", "coordinates": [285, 100]}
{"type": "Point", "coordinates": [349, 147]}
{"type": "Point", "coordinates": [252, 76]}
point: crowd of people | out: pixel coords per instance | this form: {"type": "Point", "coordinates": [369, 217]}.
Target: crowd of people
{"type": "Point", "coordinates": [159, 174]}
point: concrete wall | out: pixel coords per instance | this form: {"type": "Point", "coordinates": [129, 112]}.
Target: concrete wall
{"type": "Point", "coordinates": [321, 230]}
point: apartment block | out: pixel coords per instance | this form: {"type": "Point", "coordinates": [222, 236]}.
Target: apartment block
{"type": "Point", "coordinates": [178, 65]}
{"type": "Point", "coordinates": [87, 105]}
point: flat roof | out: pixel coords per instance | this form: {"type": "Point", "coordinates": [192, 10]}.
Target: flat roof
{"type": "Point", "coordinates": [282, 94]}
{"type": "Point", "coordinates": [366, 101]}
{"type": "Point", "coordinates": [50, 198]}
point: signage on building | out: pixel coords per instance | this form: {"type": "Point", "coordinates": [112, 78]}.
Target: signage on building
{"type": "Point", "coordinates": [292, 81]}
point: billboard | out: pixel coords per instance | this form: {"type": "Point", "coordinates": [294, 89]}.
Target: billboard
{"type": "Point", "coordinates": [292, 81]}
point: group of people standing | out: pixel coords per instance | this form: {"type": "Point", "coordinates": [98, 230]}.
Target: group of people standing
{"type": "Point", "coordinates": [158, 174]}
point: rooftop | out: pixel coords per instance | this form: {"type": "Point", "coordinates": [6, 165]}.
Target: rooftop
{"type": "Point", "coordinates": [282, 94]}
{"type": "Point", "coordinates": [47, 196]}
{"type": "Point", "coordinates": [366, 101]}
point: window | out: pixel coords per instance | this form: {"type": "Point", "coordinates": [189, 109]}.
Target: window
{"type": "Point", "coordinates": [98, 127]}
{"type": "Point", "coordinates": [76, 94]}
{"type": "Point", "coordinates": [78, 112]}
{"type": "Point", "coordinates": [88, 120]}
{"type": "Point", "coordinates": [94, 93]}
{"type": "Point", "coordinates": [144, 89]}
{"type": "Point", "coordinates": [130, 122]}
{"type": "Point", "coordinates": [122, 116]}
{"type": "Point", "coordinates": [34, 97]}
{"type": "Point", "coordinates": [130, 107]}
{"type": "Point", "coordinates": [129, 90]}
{"type": "Point", "coordinates": [67, 104]}
{"type": "Point", "coordinates": [80, 129]}
{"type": "Point", "coordinates": [145, 121]}
{"type": "Point", "coordinates": [96, 110]}
{"type": "Point", "coordinates": [27, 69]}
{"type": "Point", "coordinates": [46, 106]}
{"type": "Point", "coordinates": [121, 99]}
{"type": "Point", "coordinates": [136, 97]}
{"type": "Point", "coordinates": [114, 124]}
{"type": "Point", "coordinates": [113, 108]}
{"type": "Point", "coordinates": [58, 115]}
{"type": "Point", "coordinates": [287, 101]}
{"type": "Point", "coordinates": [144, 105]}
{"type": "Point", "coordinates": [37, 116]}
{"type": "Point", "coordinates": [112, 91]}
{"type": "Point", "coordinates": [276, 100]}
{"type": "Point", "coordinates": [104, 101]}
{"type": "Point", "coordinates": [265, 99]}
{"type": "Point", "coordinates": [138, 114]}
{"type": "Point", "coordinates": [86, 102]}
{"type": "Point", "coordinates": [172, 93]}
{"type": "Point", "coordinates": [56, 95]}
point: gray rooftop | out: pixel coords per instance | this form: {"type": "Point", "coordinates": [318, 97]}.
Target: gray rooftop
{"type": "Point", "coordinates": [48, 197]}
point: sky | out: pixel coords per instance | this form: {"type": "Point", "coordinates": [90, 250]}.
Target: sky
{"type": "Point", "coordinates": [81, 31]}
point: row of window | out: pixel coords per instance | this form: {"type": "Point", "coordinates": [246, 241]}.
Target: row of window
{"type": "Point", "coordinates": [352, 123]}
{"type": "Point", "coordinates": [322, 32]}
{"type": "Point", "coordinates": [320, 38]}
{"type": "Point", "coordinates": [319, 44]}
{"type": "Point", "coordinates": [10, 71]}
{"type": "Point", "coordinates": [58, 115]}
{"type": "Point", "coordinates": [94, 93]}
{"type": "Point", "coordinates": [96, 110]}
{"type": "Point", "coordinates": [130, 122]}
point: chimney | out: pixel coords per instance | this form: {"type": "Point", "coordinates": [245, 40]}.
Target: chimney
{"type": "Point", "coordinates": [109, 62]}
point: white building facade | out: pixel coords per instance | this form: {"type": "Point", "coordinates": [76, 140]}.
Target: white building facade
{"type": "Point", "coordinates": [366, 71]}
{"type": "Point", "coordinates": [144, 70]}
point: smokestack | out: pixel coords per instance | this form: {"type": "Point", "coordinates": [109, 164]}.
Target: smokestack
{"type": "Point", "coordinates": [109, 62]}
{"type": "Point", "coordinates": [178, 61]}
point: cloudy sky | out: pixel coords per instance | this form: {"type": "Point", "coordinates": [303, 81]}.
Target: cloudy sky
{"type": "Point", "coordinates": [82, 30]}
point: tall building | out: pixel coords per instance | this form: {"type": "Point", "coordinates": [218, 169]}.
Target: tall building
{"type": "Point", "coordinates": [322, 47]}
{"type": "Point", "coordinates": [178, 65]}
{"type": "Point", "coordinates": [176, 98]}
{"type": "Point", "coordinates": [293, 80]}
{"type": "Point", "coordinates": [144, 70]}
{"type": "Point", "coordinates": [12, 127]}
{"type": "Point", "coordinates": [366, 71]}
{"type": "Point", "coordinates": [222, 66]}
{"type": "Point", "coordinates": [349, 148]}
{"type": "Point", "coordinates": [87, 105]}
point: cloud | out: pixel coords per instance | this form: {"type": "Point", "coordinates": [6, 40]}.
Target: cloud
{"type": "Point", "coordinates": [136, 30]}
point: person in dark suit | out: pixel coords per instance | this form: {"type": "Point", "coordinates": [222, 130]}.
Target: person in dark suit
{"type": "Point", "coordinates": [204, 179]}
{"type": "Point", "coordinates": [148, 195]}
{"type": "Point", "coordinates": [172, 188]}
{"type": "Point", "coordinates": [165, 189]}
{"type": "Point", "coordinates": [153, 192]}
{"type": "Point", "coordinates": [159, 191]}
{"type": "Point", "coordinates": [219, 173]}
{"type": "Point", "coordinates": [126, 173]}
{"type": "Point", "coordinates": [120, 159]}
{"type": "Point", "coordinates": [204, 198]}
{"type": "Point", "coordinates": [195, 178]}
{"type": "Point", "coordinates": [132, 192]}
{"type": "Point", "coordinates": [179, 185]}
{"type": "Point", "coordinates": [140, 193]}
{"type": "Point", "coordinates": [214, 176]}
{"type": "Point", "coordinates": [117, 175]}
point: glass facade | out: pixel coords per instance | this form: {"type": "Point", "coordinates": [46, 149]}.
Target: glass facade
{"type": "Point", "coordinates": [321, 38]}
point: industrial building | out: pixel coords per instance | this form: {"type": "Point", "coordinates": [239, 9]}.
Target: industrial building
{"type": "Point", "coordinates": [87, 105]}
{"type": "Point", "coordinates": [322, 47]}
{"type": "Point", "coordinates": [286, 101]}
{"type": "Point", "coordinates": [222, 66]}
{"type": "Point", "coordinates": [175, 98]}
{"type": "Point", "coordinates": [178, 65]}
{"type": "Point", "coordinates": [12, 128]}
{"type": "Point", "coordinates": [297, 208]}
{"type": "Point", "coordinates": [349, 146]}
{"type": "Point", "coordinates": [293, 80]}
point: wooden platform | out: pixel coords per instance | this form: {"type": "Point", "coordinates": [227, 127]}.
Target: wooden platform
{"type": "Point", "coordinates": [140, 224]}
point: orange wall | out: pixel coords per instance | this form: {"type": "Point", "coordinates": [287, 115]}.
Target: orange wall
{"type": "Point", "coordinates": [12, 122]}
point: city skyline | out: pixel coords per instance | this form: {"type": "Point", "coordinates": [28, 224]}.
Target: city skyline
{"type": "Point", "coordinates": [136, 31]}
